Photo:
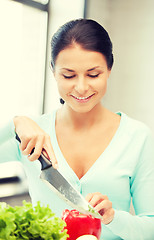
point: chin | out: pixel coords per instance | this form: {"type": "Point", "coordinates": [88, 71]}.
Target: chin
{"type": "Point", "coordinates": [82, 109]}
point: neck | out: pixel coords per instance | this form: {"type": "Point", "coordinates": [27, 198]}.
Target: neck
{"type": "Point", "coordinates": [81, 120]}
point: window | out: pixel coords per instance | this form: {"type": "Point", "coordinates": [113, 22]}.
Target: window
{"type": "Point", "coordinates": [22, 59]}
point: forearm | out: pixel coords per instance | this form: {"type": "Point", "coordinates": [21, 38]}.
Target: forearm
{"type": "Point", "coordinates": [8, 145]}
{"type": "Point", "coordinates": [130, 227]}
{"type": "Point", "coordinates": [7, 132]}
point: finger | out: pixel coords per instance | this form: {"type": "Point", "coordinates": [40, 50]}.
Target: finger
{"type": "Point", "coordinates": [49, 149]}
{"type": "Point", "coordinates": [28, 149]}
{"type": "Point", "coordinates": [96, 199]}
{"type": "Point", "coordinates": [89, 197]}
{"type": "Point", "coordinates": [103, 206]}
{"type": "Point", "coordinates": [23, 144]}
{"type": "Point", "coordinates": [37, 150]}
{"type": "Point", "coordinates": [45, 153]}
{"type": "Point", "coordinates": [108, 216]}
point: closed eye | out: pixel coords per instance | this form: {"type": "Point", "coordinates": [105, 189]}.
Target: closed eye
{"type": "Point", "coordinates": [68, 77]}
{"type": "Point", "coordinates": [93, 76]}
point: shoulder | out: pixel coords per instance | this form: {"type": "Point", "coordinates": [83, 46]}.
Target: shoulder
{"type": "Point", "coordinates": [140, 142]}
{"type": "Point", "coordinates": [135, 127]}
{"type": "Point", "coordinates": [136, 134]}
{"type": "Point", "coordinates": [45, 120]}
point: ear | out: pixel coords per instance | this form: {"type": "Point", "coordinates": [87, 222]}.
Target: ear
{"type": "Point", "coordinates": [54, 74]}
{"type": "Point", "coordinates": [109, 72]}
{"type": "Point", "coordinates": [51, 66]}
{"type": "Point", "coordinates": [52, 69]}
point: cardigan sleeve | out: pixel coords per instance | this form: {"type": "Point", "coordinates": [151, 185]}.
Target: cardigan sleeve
{"type": "Point", "coordinates": [9, 150]}
{"type": "Point", "coordinates": [130, 227]}
{"type": "Point", "coordinates": [140, 226]}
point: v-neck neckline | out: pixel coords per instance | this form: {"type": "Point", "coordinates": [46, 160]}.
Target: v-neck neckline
{"type": "Point", "coordinates": [64, 164]}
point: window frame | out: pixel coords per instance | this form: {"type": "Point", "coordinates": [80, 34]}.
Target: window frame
{"type": "Point", "coordinates": [45, 8]}
{"type": "Point", "coordinates": [34, 4]}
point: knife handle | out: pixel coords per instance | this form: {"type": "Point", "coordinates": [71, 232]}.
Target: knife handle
{"type": "Point", "coordinates": [45, 162]}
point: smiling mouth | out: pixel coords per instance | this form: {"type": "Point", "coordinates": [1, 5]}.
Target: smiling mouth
{"type": "Point", "coordinates": [82, 98]}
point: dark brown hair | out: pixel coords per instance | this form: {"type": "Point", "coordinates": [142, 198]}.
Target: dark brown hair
{"type": "Point", "coordinates": [85, 32]}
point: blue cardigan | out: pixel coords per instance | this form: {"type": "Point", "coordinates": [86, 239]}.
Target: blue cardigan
{"type": "Point", "coordinates": [124, 171]}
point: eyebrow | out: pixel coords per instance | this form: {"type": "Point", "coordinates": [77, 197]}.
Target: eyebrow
{"type": "Point", "coordinates": [70, 70]}
{"type": "Point", "coordinates": [92, 68]}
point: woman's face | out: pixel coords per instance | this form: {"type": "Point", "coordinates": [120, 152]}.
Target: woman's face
{"type": "Point", "coordinates": [81, 77]}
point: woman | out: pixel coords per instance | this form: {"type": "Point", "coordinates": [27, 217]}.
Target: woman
{"type": "Point", "coordinates": [107, 156]}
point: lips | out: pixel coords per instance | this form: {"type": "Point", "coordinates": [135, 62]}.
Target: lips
{"type": "Point", "coordinates": [82, 99]}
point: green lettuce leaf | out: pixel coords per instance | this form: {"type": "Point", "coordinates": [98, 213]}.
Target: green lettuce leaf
{"type": "Point", "coordinates": [28, 222]}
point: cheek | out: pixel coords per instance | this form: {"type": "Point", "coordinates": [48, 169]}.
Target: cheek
{"type": "Point", "coordinates": [64, 87]}
{"type": "Point", "coordinates": [60, 87]}
{"type": "Point", "coordinates": [102, 87]}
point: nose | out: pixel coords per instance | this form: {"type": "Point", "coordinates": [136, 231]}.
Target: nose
{"type": "Point", "coordinates": [81, 85]}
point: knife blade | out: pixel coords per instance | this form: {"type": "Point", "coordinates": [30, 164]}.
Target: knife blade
{"type": "Point", "coordinates": [64, 189]}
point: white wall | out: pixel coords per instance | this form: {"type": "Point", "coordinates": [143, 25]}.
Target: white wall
{"type": "Point", "coordinates": [131, 27]}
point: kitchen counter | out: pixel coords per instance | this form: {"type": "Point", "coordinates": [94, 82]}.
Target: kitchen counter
{"type": "Point", "coordinates": [16, 200]}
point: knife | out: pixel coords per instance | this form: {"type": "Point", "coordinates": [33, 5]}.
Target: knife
{"type": "Point", "coordinates": [55, 180]}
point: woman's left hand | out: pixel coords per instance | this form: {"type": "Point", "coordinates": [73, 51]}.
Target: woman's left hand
{"type": "Point", "coordinates": [103, 205]}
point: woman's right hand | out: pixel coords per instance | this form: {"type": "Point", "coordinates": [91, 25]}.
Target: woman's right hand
{"type": "Point", "coordinates": [33, 136]}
